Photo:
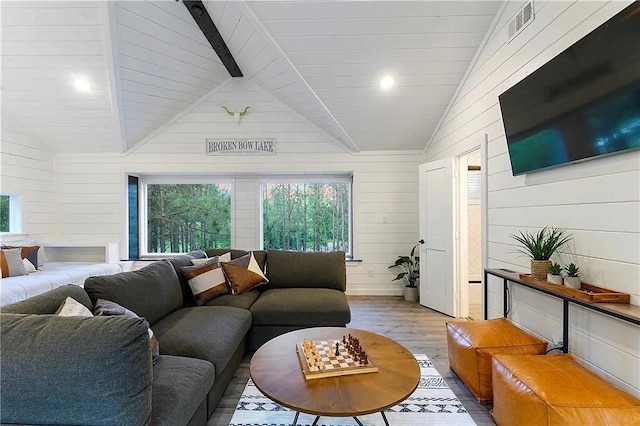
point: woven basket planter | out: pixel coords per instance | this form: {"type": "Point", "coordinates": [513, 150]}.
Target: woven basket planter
{"type": "Point", "coordinates": [540, 268]}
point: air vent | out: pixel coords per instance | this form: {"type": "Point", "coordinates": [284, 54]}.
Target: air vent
{"type": "Point", "coordinates": [523, 18]}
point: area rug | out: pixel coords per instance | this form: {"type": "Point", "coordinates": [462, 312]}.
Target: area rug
{"type": "Point", "coordinates": [432, 403]}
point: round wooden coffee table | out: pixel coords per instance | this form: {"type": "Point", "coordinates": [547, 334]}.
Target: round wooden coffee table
{"type": "Point", "coordinates": [276, 372]}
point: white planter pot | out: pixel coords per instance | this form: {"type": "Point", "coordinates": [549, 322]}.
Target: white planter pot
{"type": "Point", "coordinates": [411, 294]}
{"type": "Point", "coordinates": [554, 279]}
{"type": "Point", "coordinates": [573, 282]}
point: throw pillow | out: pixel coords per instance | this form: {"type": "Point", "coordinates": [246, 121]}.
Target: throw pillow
{"type": "Point", "coordinates": [243, 274]}
{"type": "Point", "coordinates": [11, 263]}
{"type": "Point", "coordinates": [109, 308]}
{"type": "Point", "coordinates": [28, 266]}
{"type": "Point", "coordinates": [72, 308]}
{"type": "Point", "coordinates": [206, 280]}
{"type": "Point", "coordinates": [27, 252]}
{"type": "Point", "coordinates": [222, 258]}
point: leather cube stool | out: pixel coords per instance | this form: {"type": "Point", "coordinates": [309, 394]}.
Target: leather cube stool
{"type": "Point", "coordinates": [556, 390]}
{"type": "Point", "coordinates": [471, 345]}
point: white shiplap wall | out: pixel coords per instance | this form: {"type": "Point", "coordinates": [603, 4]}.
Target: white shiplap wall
{"type": "Point", "coordinates": [92, 188]}
{"type": "Point", "coordinates": [598, 201]}
{"type": "Point", "coordinates": [27, 170]}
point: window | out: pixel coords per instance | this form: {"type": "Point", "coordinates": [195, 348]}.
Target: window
{"type": "Point", "coordinates": [307, 215]}
{"type": "Point", "coordinates": [5, 213]}
{"type": "Point", "coordinates": [10, 213]}
{"type": "Point", "coordinates": [134, 223]}
{"type": "Point", "coordinates": [179, 217]}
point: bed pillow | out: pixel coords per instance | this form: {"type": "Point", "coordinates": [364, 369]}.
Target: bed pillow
{"type": "Point", "coordinates": [108, 308]}
{"type": "Point", "coordinates": [206, 280]}
{"type": "Point", "coordinates": [243, 274]}
{"type": "Point", "coordinates": [72, 308]}
{"type": "Point", "coordinates": [11, 263]}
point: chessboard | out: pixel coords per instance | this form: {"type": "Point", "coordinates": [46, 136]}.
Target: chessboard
{"type": "Point", "coordinates": [318, 359]}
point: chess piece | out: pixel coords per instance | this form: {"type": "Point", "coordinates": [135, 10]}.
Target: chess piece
{"type": "Point", "coordinates": [337, 349]}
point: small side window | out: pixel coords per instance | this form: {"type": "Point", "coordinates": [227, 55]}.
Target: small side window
{"type": "Point", "coordinates": [10, 216]}
{"type": "Point", "coordinates": [5, 213]}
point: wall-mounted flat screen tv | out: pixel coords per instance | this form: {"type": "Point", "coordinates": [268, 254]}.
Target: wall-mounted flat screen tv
{"type": "Point", "coordinates": [583, 103]}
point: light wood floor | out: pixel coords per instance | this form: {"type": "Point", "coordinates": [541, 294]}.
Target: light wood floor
{"type": "Point", "coordinates": [419, 329]}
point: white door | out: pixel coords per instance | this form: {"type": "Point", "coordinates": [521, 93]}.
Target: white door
{"type": "Point", "coordinates": [437, 229]}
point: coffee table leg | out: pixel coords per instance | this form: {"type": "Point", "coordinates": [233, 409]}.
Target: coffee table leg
{"type": "Point", "coordinates": [384, 418]}
{"type": "Point", "coordinates": [358, 421]}
{"type": "Point", "coordinates": [315, 422]}
{"type": "Point", "coordinates": [295, 419]}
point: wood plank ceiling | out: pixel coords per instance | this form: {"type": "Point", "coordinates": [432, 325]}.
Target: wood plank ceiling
{"type": "Point", "coordinates": [148, 61]}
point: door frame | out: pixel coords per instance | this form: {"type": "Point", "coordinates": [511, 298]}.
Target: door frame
{"type": "Point", "coordinates": [461, 254]}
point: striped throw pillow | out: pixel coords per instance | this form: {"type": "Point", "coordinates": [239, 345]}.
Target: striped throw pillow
{"type": "Point", "coordinates": [206, 280]}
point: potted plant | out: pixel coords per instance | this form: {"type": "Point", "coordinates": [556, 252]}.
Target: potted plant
{"type": "Point", "coordinates": [555, 273]}
{"type": "Point", "coordinates": [410, 275]}
{"type": "Point", "coordinates": [540, 247]}
{"type": "Point", "coordinates": [572, 279]}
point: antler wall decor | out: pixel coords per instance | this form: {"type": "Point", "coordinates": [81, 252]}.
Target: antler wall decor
{"type": "Point", "coordinates": [236, 115]}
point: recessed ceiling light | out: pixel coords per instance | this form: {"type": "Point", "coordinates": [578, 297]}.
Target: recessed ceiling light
{"type": "Point", "coordinates": [81, 84]}
{"type": "Point", "coordinates": [386, 82]}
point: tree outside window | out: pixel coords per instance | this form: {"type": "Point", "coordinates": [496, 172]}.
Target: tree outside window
{"type": "Point", "coordinates": [306, 216]}
{"type": "Point", "coordinates": [5, 213]}
{"type": "Point", "coordinates": [184, 217]}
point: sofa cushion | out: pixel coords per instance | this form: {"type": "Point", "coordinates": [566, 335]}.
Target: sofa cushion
{"type": "Point", "coordinates": [243, 274]}
{"type": "Point", "coordinates": [27, 252]}
{"type": "Point", "coordinates": [11, 263]}
{"type": "Point", "coordinates": [244, 300]}
{"type": "Point", "coordinates": [49, 302]}
{"type": "Point", "coordinates": [225, 257]}
{"type": "Point", "coordinates": [317, 307]}
{"type": "Point", "coordinates": [75, 370]}
{"type": "Point", "coordinates": [259, 255]}
{"type": "Point", "coordinates": [28, 266]}
{"type": "Point", "coordinates": [152, 292]}
{"type": "Point", "coordinates": [185, 260]}
{"type": "Point", "coordinates": [206, 280]}
{"type": "Point", "coordinates": [72, 308]}
{"type": "Point", "coordinates": [293, 269]}
{"type": "Point", "coordinates": [212, 333]}
{"type": "Point", "coordinates": [180, 385]}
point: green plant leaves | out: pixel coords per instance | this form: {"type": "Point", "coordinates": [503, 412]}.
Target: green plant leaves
{"type": "Point", "coordinates": [541, 245]}
{"type": "Point", "coordinates": [572, 270]}
{"type": "Point", "coordinates": [411, 266]}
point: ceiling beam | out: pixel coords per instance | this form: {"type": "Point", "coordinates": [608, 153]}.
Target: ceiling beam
{"type": "Point", "coordinates": [199, 13]}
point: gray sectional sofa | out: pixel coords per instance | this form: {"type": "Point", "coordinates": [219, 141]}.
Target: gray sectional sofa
{"type": "Point", "coordinates": [98, 370]}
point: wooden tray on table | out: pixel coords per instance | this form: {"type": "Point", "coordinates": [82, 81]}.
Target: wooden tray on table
{"type": "Point", "coordinates": [587, 292]}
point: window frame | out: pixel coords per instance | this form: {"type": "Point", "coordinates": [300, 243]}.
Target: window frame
{"type": "Point", "coordinates": [346, 177]}
{"type": "Point", "coordinates": [144, 181]}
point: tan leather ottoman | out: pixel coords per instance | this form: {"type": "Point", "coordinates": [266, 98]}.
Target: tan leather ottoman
{"type": "Point", "coordinates": [471, 345]}
{"type": "Point", "coordinates": [556, 390]}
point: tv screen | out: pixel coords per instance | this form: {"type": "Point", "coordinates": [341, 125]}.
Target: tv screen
{"type": "Point", "coordinates": [582, 104]}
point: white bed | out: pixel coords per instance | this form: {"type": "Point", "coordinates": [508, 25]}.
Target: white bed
{"type": "Point", "coordinates": [50, 276]}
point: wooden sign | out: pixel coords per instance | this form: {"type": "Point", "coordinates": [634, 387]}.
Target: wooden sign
{"type": "Point", "coordinates": [240, 146]}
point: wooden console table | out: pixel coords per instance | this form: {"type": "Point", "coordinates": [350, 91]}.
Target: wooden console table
{"type": "Point", "coordinates": [624, 312]}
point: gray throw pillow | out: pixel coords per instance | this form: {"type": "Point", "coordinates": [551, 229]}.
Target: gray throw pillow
{"type": "Point", "coordinates": [11, 263]}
